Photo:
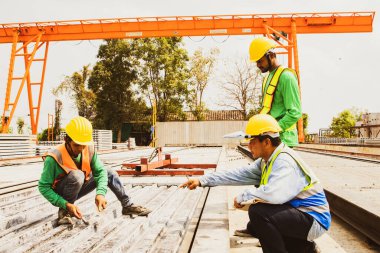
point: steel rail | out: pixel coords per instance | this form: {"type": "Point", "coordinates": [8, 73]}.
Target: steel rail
{"type": "Point", "coordinates": [342, 154]}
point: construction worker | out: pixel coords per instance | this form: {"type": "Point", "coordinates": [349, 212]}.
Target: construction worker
{"type": "Point", "coordinates": [73, 169]}
{"type": "Point", "coordinates": [288, 208]}
{"type": "Point", "coordinates": [280, 92]}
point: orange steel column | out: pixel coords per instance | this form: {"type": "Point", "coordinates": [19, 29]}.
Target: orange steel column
{"type": "Point", "coordinates": [28, 60]}
{"type": "Point", "coordinates": [34, 115]}
{"type": "Point", "coordinates": [301, 136]}
{"type": "Point", "coordinates": [6, 119]}
{"type": "Point", "coordinates": [290, 52]}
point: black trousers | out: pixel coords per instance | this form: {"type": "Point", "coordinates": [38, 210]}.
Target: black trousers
{"type": "Point", "coordinates": [280, 228]}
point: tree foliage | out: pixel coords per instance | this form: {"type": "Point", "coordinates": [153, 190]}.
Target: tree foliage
{"type": "Point", "coordinates": [76, 86]}
{"type": "Point", "coordinates": [242, 86]}
{"type": "Point", "coordinates": [57, 120]}
{"type": "Point", "coordinates": [163, 74]}
{"type": "Point", "coordinates": [20, 125]}
{"type": "Point", "coordinates": [342, 124]}
{"type": "Point", "coordinates": [201, 69]}
{"type": "Point", "coordinates": [305, 122]}
{"type": "Point", "coordinates": [43, 136]}
{"type": "Point", "coordinates": [112, 80]}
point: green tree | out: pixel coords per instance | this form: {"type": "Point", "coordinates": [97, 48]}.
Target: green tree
{"type": "Point", "coordinates": [76, 86]}
{"type": "Point", "coordinates": [112, 81]}
{"type": "Point", "coordinates": [57, 120]}
{"type": "Point", "coordinates": [305, 121]}
{"type": "Point", "coordinates": [20, 125]}
{"type": "Point", "coordinates": [201, 68]}
{"type": "Point", "coordinates": [163, 74]}
{"type": "Point", "coordinates": [242, 88]}
{"type": "Point", "coordinates": [43, 136]}
{"type": "Point", "coordinates": [342, 124]}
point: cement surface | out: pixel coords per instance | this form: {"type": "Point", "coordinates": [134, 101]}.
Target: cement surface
{"type": "Point", "coordinates": [215, 231]}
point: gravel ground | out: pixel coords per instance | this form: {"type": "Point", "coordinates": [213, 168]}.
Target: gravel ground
{"type": "Point", "coordinates": [350, 239]}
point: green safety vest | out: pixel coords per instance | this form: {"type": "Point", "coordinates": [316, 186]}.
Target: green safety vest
{"type": "Point", "coordinates": [269, 93]}
{"type": "Point", "coordinates": [266, 170]}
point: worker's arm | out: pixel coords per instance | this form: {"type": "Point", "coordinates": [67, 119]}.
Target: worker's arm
{"type": "Point", "coordinates": [99, 172]}
{"type": "Point", "coordinates": [284, 183]}
{"type": "Point", "coordinates": [288, 87]}
{"type": "Point", "coordinates": [248, 175]}
{"type": "Point", "coordinates": [50, 172]}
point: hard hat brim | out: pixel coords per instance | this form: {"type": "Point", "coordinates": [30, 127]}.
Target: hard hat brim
{"type": "Point", "coordinates": [86, 143]}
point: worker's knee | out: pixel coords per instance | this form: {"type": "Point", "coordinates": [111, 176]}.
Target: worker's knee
{"type": "Point", "coordinates": [257, 211]}
{"type": "Point", "coordinates": [76, 177]}
{"type": "Point", "coordinates": [112, 175]}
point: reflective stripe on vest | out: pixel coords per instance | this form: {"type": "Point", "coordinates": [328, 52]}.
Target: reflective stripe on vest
{"type": "Point", "coordinates": [64, 160]}
{"type": "Point", "coordinates": [268, 95]}
{"type": "Point", "coordinates": [267, 170]}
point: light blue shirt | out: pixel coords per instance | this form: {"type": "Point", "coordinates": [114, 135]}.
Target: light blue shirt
{"type": "Point", "coordinates": [285, 181]}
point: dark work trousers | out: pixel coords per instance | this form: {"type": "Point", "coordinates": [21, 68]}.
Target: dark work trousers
{"type": "Point", "coordinates": [73, 186]}
{"type": "Point", "coordinates": [280, 228]}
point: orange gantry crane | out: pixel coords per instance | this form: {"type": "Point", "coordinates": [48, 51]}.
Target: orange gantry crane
{"type": "Point", "coordinates": [37, 35]}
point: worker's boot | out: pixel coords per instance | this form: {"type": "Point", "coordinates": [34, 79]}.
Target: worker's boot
{"type": "Point", "coordinates": [313, 248]}
{"type": "Point", "coordinates": [64, 217]}
{"type": "Point", "coordinates": [242, 233]}
{"type": "Point", "coordinates": [135, 210]}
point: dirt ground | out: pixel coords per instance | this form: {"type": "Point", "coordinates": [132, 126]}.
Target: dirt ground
{"type": "Point", "coordinates": [350, 239]}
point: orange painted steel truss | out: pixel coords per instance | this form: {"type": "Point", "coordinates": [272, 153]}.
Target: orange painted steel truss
{"type": "Point", "coordinates": [339, 22]}
{"type": "Point", "coordinates": [41, 33]}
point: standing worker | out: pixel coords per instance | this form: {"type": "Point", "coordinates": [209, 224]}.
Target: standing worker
{"type": "Point", "coordinates": [280, 92]}
{"type": "Point", "coordinates": [73, 169]}
{"type": "Point", "coordinates": [288, 208]}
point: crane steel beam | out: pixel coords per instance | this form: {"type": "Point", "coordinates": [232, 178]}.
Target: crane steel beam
{"type": "Point", "coordinates": [93, 29]}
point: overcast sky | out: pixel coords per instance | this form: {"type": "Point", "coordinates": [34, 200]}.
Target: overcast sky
{"type": "Point", "coordinates": [338, 71]}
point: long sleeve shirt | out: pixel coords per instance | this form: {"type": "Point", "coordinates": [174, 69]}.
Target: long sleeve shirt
{"type": "Point", "coordinates": [52, 170]}
{"type": "Point", "coordinates": [285, 181]}
{"type": "Point", "coordinates": [286, 106]}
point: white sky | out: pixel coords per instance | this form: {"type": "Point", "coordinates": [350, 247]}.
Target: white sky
{"type": "Point", "coordinates": [338, 71]}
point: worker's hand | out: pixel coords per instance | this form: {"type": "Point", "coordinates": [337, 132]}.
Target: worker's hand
{"type": "Point", "coordinates": [73, 210]}
{"type": "Point", "coordinates": [191, 184]}
{"type": "Point", "coordinates": [237, 204]}
{"type": "Point", "coordinates": [100, 202]}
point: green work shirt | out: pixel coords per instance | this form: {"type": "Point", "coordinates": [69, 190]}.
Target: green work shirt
{"type": "Point", "coordinates": [286, 106]}
{"type": "Point", "coordinates": [51, 171]}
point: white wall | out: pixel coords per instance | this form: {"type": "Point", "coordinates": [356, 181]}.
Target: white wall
{"type": "Point", "coordinates": [197, 132]}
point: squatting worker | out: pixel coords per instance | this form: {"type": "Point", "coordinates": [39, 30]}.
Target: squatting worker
{"type": "Point", "coordinates": [288, 208]}
{"type": "Point", "coordinates": [73, 169]}
{"type": "Point", "coordinates": [280, 92]}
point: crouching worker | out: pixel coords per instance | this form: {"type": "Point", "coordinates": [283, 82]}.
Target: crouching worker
{"type": "Point", "coordinates": [288, 208]}
{"type": "Point", "coordinates": [73, 169]}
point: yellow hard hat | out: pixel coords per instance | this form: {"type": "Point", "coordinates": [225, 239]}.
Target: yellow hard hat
{"type": "Point", "coordinates": [259, 46]}
{"type": "Point", "coordinates": [80, 130]}
{"type": "Point", "coordinates": [262, 124]}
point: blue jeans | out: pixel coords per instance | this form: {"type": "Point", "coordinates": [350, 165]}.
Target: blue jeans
{"type": "Point", "coordinates": [73, 186]}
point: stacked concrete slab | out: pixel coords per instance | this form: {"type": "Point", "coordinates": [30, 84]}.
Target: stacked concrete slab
{"type": "Point", "coordinates": [16, 145]}
{"type": "Point", "coordinates": [102, 139]}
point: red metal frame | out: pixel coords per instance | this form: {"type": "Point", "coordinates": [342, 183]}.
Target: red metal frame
{"type": "Point", "coordinates": [167, 167]}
